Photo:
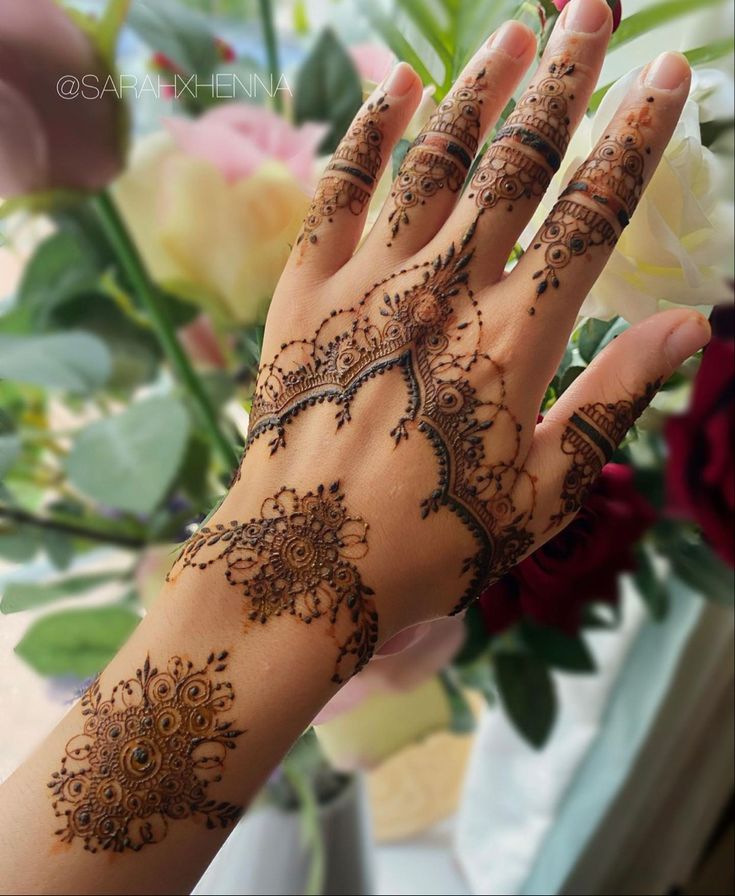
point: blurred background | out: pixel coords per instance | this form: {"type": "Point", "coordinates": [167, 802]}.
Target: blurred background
{"type": "Point", "coordinates": [573, 733]}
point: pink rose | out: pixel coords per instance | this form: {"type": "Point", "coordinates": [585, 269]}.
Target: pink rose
{"type": "Point", "coordinates": [237, 138]}
{"type": "Point", "coordinates": [402, 664]}
{"type": "Point", "coordinates": [48, 141]}
{"type": "Point", "coordinates": [372, 61]}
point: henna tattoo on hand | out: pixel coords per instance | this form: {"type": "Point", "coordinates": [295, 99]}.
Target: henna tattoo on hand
{"type": "Point", "coordinates": [146, 757]}
{"type": "Point", "coordinates": [297, 558]}
{"type": "Point", "coordinates": [442, 153]}
{"type": "Point", "coordinates": [612, 178]}
{"type": "Point", "coordinates": [529, 147]}
{"type": "Point", "coordinates": [590, 438]}
{"type": "Point", "coordinates": [355, 163]}
{"type": "Point", "coordinates": [430, 330]}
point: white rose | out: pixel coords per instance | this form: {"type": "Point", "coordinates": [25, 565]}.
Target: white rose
{"type": "Point", "coordinates": [678, 242]}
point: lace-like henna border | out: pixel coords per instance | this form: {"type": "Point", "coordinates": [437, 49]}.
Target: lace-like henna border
{"type": "Point", "coordinates": [146, 757]}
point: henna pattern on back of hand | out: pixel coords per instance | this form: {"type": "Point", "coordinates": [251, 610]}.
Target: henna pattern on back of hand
{"type": "Point", "coordinates": [146, 757]}
{"type": "Point", "coordinates": [590, 438]}
{"type": "Point", "coordinates": [297, 559]}
{"type": "Point", "coordinates": [430, 331]}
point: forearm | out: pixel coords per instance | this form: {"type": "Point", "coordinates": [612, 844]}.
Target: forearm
{"type": "Point", "coordinates": [278, 677]}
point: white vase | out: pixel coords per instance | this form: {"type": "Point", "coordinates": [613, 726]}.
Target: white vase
{"type": "Point", "coordinates": [265, 853]}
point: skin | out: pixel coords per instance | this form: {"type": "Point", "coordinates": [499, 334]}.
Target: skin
{"type": "Point", "coordinates": [368, 511]}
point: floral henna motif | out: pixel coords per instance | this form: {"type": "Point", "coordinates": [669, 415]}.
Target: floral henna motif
{"type": "Point", "coordinates": [355, 166]}
{"type": "Point", "coordinates": [541, 121]}
{"type": "Point", "coordinates": [146, 757]}
{"type": "Point", "coordinates": [570, 230]}
{"type": "Point", "coordinates": [297, 558]}
{"type": "Point", "coordinates": [507, 174]}
{"type": "Point", "coordinates": [590, 438]}
{"type": "Point", "coordinates": [612, 179]}
{"type": "Point", "coordinates": [430, 331]}
{"type": "Point", "coordinates": [442, 153]}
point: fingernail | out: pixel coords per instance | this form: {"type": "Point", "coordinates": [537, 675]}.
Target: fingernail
{"type": "Point", "coordinates": [690, 335]}
{"type": "Point", "coordinates": [512, 38]}
{"type": "Point", "coordinates": [400, 80]}
{"type": "Point", "coordinates": [586, 16]}
{"type": "Point", "coordinates": [668, 71]}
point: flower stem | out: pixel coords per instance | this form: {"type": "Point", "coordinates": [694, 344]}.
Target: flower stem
{"type": "Point", "coordinates": [78, 530]}
{"type": "Point", "coordinates": [271, 49]}
{"type": "Point", "coordinates": [148, 293]}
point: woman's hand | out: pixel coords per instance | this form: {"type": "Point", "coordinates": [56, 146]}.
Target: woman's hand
{"type": "Point", "coordinates": [393, 466]}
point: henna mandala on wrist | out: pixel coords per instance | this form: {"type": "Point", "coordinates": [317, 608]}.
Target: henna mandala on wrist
{"type": "Point", "coordinates": [354, 166]}
{"type": "Point", "coordinates": [297, 559]}
{"type": "Point", "coordinates": [442, 153]}
{"type": "Point", "coordinates": [429, 330]}
{"type": "Point", "coordinates": [146, 757]}
{"type": "Point", "coordinates": [590, 438]}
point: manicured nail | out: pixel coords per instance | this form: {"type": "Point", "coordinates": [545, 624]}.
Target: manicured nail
{"type": "Point", "coordinates": [400, 80]}
{"type": "Point", "coordinates": [690, 335]}
{"type": "Point", "coordinates": [512, 38]}
{"type": "Point", "coordinates": [586, 16]}
{"type": "Point", "coordinates": [668, 71]}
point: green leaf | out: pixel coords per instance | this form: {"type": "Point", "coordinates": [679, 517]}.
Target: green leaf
{"type": "Point", "coordinates": [61, 267]}
{"type": "Point", "coordinates": [696, 564]}
{"type": "Point", "coordinates": [476, 640]}
{"type": "Point", "coordinates": [462, 719]}
{"type": "Point", "coordinates": [20, 545]}
{"type": "Point", "coordinates": [29, 595]}
{"type": "Point", "coordinates": [328, 89]}
{"type": "Point", "coordinates": [557, 649]}
{"type": "Point", "coordinates": [73, 361]}
{"type": "Point", "coordinates": [654, 16]}
{"type": "Point", "coordinates": [527, 693]}
{"type": "Point", "coordinates": [129, 461]}
{"type": "Point", "coordinates": [592, 336]}
{"type": "Point", "coordinates": [650, 586]}
{"type": "Point", "coordinates": [9, 450]}
{"type": "Point", "coordinates": [182, 35]}
{"type": "Point", "coordinates": [76, 642]}
{"type": "Point", "coordinates": [570, 375]}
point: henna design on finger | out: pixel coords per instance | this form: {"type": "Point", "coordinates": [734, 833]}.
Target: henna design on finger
{"type": "Point", "coordinates": [146, 757]}
{"type": "Point", "coordinates": [442, 153]}
{"type": "Point", "coordinates": [590, 438]}
{"type": "Point", "coordinates": [570, 231]}
{"type": "Point", "coordinates": [613, 175]}
{"type": "Point", "coordinates": [350, 177]}
{"type": "Point", "coordinates": [505, 175]}
{"type": "Point", "coordinates": [297, 559]}
{"type": "Point", "coordinates": [429, 328]}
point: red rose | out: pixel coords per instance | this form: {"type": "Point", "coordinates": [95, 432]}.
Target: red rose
{"type": "Point", "coordinates": [700, 474]}
{"type": "Point", "coordinates": [578, 566]}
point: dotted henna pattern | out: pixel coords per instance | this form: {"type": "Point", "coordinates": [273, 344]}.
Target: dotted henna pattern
{"type": "Point", "coordinates": [297, 558]}
{"type": "Point", "coordinates": [355, 166]}
{"type": "Point", "coordinates": [442, 153]}
{"type": "Point", "coordinates": [612, 179]}
{"type": "Point", "coordinates": [590, 438]}
{"type": "Point", "coordinates": [146, 757]}
{"type": "Point", "coordinates": [430, 331]}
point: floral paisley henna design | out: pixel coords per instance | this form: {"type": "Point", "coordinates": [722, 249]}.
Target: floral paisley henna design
{"type": "Point", "coordinates": [590, 438]}
{"type": "Point", "coordinates": [297, 559]}
{"type": "Point", "coordinates": [356, 163]}
{"type": "Point", "coordinates": [146, 757]}
{"type": "Point", "coordinates": [507, 174]}
{"type": "Point", "coordinates": [430, 330]}
{"type": "Point", "coordinates": [442, 153]}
